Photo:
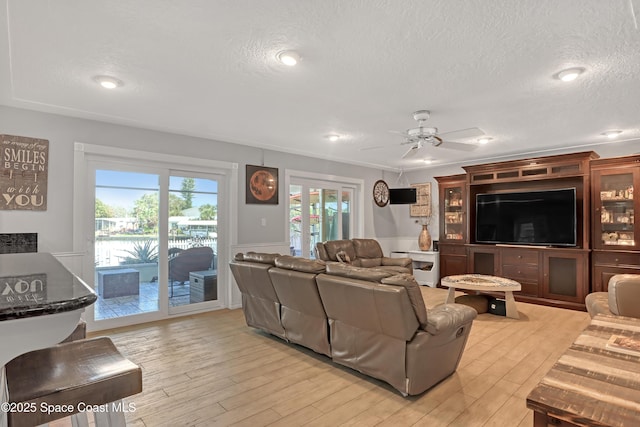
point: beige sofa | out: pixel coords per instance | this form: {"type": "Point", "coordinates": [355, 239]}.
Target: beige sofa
{"type": "Point", "coordinates": [371, 320]}
{"type": "Point", "coordinates": [621, 299]}
{"type": "Point", "coordinates": [361, 253]}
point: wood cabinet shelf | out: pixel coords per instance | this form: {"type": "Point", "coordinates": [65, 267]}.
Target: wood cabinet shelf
{"type": "Point", "coordinates": [548, 275]}
{"type": "Point", "coordinates": [453, 200]}
{"type": "Point", "coordinates": [540, 168]}
{"type": "Point", "coordinates": [615, 240]}
{"type": "Point", "coordinates": [607, 240]}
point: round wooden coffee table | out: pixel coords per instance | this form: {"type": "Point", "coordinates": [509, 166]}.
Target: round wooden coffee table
{"type": "Point", "coordinates": [484, 283]}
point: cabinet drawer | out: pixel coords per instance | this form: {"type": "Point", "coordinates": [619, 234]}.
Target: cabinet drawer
{"type": "Point", "coordinates": [517, 257]}
{"type": "Point", "coordinates": [453, 249]}
{"type": "Point", "coordinates": [521, 273]}
{"type": "Point", "coordinates": [616, 258]}
{"type": "Point", "coordinates": [530, 289]}
{"type": "Point", "coordinates": [602, 274]}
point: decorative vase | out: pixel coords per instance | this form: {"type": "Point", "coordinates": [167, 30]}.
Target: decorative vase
{"type": "Point", "coordinates": [424, 239]}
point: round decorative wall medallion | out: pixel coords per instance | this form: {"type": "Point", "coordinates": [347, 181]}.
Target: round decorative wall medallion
{"type": "Point", "coordinates": [262, 185]}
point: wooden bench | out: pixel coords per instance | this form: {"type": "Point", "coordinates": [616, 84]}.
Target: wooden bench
{"type": "Point", "coordinates": [69, 378]}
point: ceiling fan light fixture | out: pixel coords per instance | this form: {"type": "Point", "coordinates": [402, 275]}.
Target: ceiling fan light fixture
{"type": "Point", "coordinates": [612, 134]}
{"type": "Point", "coordinates": [421, 115]}
{"type": "Point", "coordinates": [570, 74]}
{"type": "Point", "coordinates": [484, 140]}
{"type": "Point", "coordinates": [108, 82]}
{"type": "Point", "coordinates": [288, 57]}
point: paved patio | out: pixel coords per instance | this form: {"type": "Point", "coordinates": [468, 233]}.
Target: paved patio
{"type": "Point", "coordinates": [146, 302]}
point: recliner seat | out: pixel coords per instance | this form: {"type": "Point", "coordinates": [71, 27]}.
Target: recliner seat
{"type": "Point", "coordinates": [621, 299]}
{"type": "Point", "coordinates": [260, 303]}
{"type": "Point", "coordinates": [361, 253]}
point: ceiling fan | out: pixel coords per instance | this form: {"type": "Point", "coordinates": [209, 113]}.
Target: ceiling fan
{"type": "Point", "coordinates": [421, 136]}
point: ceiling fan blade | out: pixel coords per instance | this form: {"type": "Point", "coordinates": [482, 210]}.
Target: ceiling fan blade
{"type": "Point", "coordinates": [412, 151]}
{"type": "Point", "coordinates": [463, 134]}
{"type": "Point", "coordinates": [375, 147]}
{"type": "Point", "coordinates": [458, 146]}
{"type": "Point", "coordinates": [397, 132]}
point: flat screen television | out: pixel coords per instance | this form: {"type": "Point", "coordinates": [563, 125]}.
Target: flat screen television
{"type": "Point", "coordinates": [402, 196]}
{"type": "Point", "coordinates": [545, 218]}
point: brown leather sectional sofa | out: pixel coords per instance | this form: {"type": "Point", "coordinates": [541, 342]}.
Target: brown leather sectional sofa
{"type": "Point", "coordinates": [371, 320]}
{"type": "Point", "coordinates": [361, 253]}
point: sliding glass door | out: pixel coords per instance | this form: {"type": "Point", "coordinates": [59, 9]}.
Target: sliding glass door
{"type": "Point", "coordinates": [318, 211]}
{"type": "Point", "coordinates": [155, 244]}
{"type": "Point", "coordinates": [126, 243]}
{"type": "Point", "coordinates": [192, 242]}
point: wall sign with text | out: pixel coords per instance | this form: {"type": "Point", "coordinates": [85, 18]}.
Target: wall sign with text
{"type": "Point", "coordinates": [24, 166]}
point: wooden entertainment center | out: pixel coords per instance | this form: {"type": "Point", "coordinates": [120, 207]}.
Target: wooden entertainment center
{"type": "Point", "coordinates": [606, 243]}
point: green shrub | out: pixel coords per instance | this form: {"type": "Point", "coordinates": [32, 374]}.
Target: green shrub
{"type": "Point", "coordinates": [142, 253]}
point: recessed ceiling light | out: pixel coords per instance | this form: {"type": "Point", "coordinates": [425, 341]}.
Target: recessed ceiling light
{"type": "Point", "coordinates": [612, 134]}
{"type": "Point", "coordinates": [570, 74]}
{"type": "Point", "coordinates": [108, 82]}
{"type": "Point", "coordinates": [288, 57]}
{"type": "Point", "coordinates": [484, 140]}
{"type": "Point", "coordinates": [428, 161]}
{"type": "Point", "coordinates": [333, 137]}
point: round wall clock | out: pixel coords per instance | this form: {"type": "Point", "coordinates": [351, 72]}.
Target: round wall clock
{"type": "Point", "coordinates": [381, 193]}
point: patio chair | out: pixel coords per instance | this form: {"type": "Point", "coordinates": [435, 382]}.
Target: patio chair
{"type": "Point", "coordinates": [186, 261]}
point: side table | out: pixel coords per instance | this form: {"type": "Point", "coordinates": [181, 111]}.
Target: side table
{"type": "Point", "coordinates": [426, 266]}
{"type": "Point", "coordinates": [203, 286]}
{"type": "Point", "coordinates": [118, 283]}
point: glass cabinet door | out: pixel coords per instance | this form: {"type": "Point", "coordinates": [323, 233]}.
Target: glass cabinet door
{"type": "Point", "coordinates": [615, 215]}
{"type": "Point", "coordinates": [454, 214]}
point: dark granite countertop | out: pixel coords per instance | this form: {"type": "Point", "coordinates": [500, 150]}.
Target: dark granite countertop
{"type": "Point", "coordinates": [35, 284]}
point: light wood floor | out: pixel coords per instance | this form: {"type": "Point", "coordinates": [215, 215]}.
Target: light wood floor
{"type": "Point", "coordinates": [211, 369]}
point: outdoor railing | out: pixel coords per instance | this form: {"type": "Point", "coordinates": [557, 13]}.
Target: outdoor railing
{"type": "Point", "coordinates": [112, 251]}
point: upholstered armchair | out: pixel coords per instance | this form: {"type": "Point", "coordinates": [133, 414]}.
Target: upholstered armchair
{"type": "Point", "coordinates": [184, 262]}
{"type": "Point", "coordinates": [621, 299]}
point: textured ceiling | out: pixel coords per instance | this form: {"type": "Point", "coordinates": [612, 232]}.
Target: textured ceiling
{"type": "Point", "coordinates": [207, 68]}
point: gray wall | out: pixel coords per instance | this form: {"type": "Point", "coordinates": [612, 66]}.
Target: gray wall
{"type": "Point", "coordinates": [54, 226]}
{"type": "Point", "coordinates": [406, 226]}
